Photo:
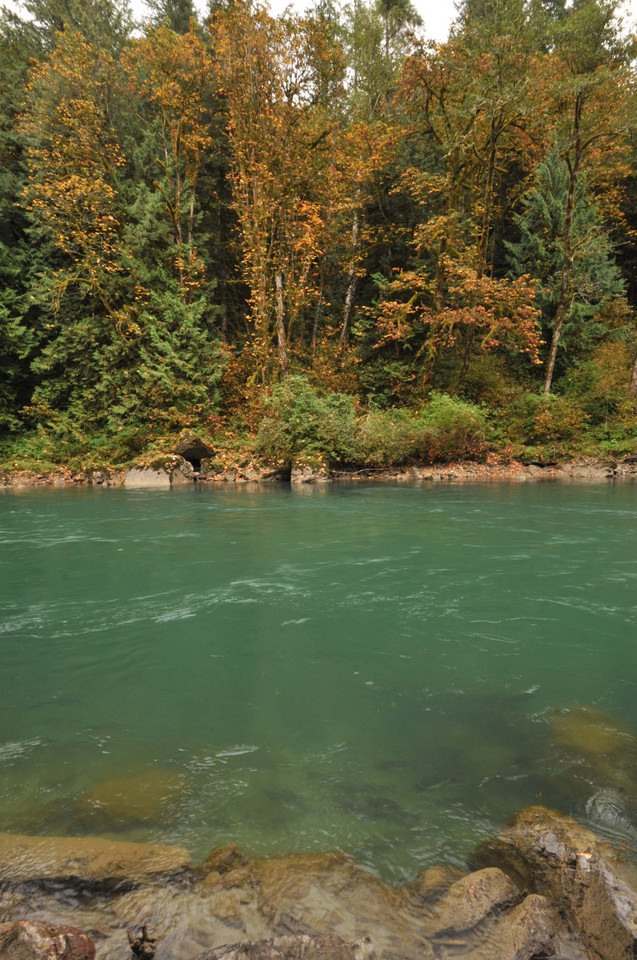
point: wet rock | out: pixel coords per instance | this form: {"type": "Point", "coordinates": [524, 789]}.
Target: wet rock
{"type": "Point", "coordinates": [89, 859]}
{"type": "Point", "coordinates": [27, 940]}
{"type": "Point", "coordinates": [146, 477]}
{"type": "Point", "coordinates": [223, 859]}
{"type": "Point", "coordinates": [591, 732]}
{"type": "Point", "coordinates": [555, 856]}
{"type": "Point", "coordinates": [309, 473]}
{"type": "Point", "coordinates": [528, 931]}
{"type": "Point", "coordinates": [469, 901]}
{"type": "Point", "coordinates": [429, 885]}
{"type": "Point", "coordinates": [152, 796]}
{"type": "Point", "coordinates": [329, 893]}
{"type": "Point", "coordinates": [295, 948]}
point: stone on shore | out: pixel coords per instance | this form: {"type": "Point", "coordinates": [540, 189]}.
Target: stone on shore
{"type": "Point", "coordinates": [302, 947]}
{"type": "Point", "coordinates": [555, 856]}
{"type": "Point", "coordinates": [172, 469]}
{"type": "Point", "coordinates": [309, 473]}
{"type": "Point", "coordinates": [33, 940]}
{"type": "Point", "coordinates": [146, 477]}
{"type": "Point", "coordinates": [90, 860]}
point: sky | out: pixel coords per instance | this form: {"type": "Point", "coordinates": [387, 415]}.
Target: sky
{"type": "Point", "coordinates": [436, 14]}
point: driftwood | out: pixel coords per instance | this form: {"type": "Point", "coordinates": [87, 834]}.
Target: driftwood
{"type": "Point", "coordinates": [143, 946]}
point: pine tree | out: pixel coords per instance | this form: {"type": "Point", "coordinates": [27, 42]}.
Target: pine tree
{"type": "Point", "coordinates": [177, 14]}
{"type": "Point", "coordinates": [540, 252]}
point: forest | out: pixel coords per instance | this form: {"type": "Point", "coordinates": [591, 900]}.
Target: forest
{"type": "Point", "coordinates": [317, 235]}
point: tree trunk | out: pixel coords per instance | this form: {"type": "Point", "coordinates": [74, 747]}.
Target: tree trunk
{"type": "Point", "coordinates": [633, 378]}
{"type": "Point", "coordinates": [351, 284]}
{"type": "Point", "coordinates": [565, 279]}
{"type": "Point", "coordinates": [280, 324]}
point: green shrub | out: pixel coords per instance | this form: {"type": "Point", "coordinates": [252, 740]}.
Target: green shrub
{"type": "Point", "coordinates": [303, 424]}
{"type": "Point", "coordinates": [450, 429]}
{"type": "Point", "coordinates": [536, 419]}
{"type": "Point", "coordinates": [385, 438]}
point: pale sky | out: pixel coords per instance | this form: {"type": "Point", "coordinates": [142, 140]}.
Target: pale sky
{"type": "Point", "coordinates": [436, 14]}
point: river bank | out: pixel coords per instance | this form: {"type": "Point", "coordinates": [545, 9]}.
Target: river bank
{"type": "Point", "coordinates": [543, 887]}
{"type": "Point", "coordinates": [178, 471]}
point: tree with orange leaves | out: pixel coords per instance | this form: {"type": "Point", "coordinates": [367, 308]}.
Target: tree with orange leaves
{"type": "Point", "coordinates": [280, 78]}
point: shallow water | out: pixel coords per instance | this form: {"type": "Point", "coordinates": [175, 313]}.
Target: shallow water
{"type": "Point", "coordinates": [379, 669]}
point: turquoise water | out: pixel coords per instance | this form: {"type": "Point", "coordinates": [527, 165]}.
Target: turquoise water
{"type": "Point", "coordinates": [379, 669]}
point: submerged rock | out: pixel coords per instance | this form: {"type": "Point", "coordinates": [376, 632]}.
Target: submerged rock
{"type": "Point", "coordinates": [429, 885]}
{"type": "Point", "coordinates": [528, 931]}
{"type": "Point", "coordinates": [223, 859]}
{"type": "Point", "coordinates": [591, 732]}
{"type": "Point", "coordinates": [557, 857]}
{"type": "Point", "coordinates": [88, 859]}
{"type": "Point", "coordinates": [295, 948]}
{"type": "Point", "coordinates": [152, 796]}
{"type": "Point", "coordinates": [28, 940]}
{"type": "Point", "coordinates": [470, 901]}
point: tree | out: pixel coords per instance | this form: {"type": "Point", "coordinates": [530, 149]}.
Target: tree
{"type": "Point", "coordinates": [176, 14]}
{"type": "Point", "coordinates": [594, 277]}
{"type": "Point", "coordinates": [590, 70]}
{"type": "Point", "coordinates": [278, 78]}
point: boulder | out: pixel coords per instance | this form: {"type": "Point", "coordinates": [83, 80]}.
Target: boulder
{"type": "Point", "coordinates": [304, 947]}
{"type": "Point", "coordinates": [327, 893]}
{"type": "Point", "coordinates": [223, 859]}
{"type": "Point", "coordinates": [429, 885]}
{"type": "Point", "coordinates": [309, 473]}
{"type": "Point", "coordinates": [26, 859]}
{"type": "Point", "coordinates": [182, 471]}
{"type": "Point", "coordinates": [469, 901]}
{"type": "Point", "coordinates": [529, 930]}
{"type": "Point", "coordinates": [146, 477]}
{"type": "Point", "coordinates": [28, 940]}
{"type": "Point", "coordinates": [190, 446]}
{"type": "Point", "coordinates": [152, 796]}
{"type": "Point", "coordinates": [555, 856]}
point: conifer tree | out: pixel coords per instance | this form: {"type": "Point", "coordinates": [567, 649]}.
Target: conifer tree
{"type": "Point", "coordinates": [539, 252]}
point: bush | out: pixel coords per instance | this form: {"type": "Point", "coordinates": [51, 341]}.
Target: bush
{"type": "Point", "coordinates": [536, 419]}
{"type": "Point", "coordinates": [450, 429]}
{"type": "Point", "coordinates": [385, 438]}
{"type": "Point", "coordinates": [600, 385]}
{"type": "Point", "coordinates": [303, 424]}
{"type": "Point", "coordinates": [446, 429]}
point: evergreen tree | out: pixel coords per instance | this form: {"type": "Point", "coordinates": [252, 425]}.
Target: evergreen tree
{"type": "Point", "coordinates": [177, 14]}
{"type": "Point", "coordinates": [540, 252]}
{"type": "Point", "coordinates": [105, 23]}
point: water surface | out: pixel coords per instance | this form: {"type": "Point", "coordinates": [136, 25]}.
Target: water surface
{"type": "Point", "coordinates": [379, 669]}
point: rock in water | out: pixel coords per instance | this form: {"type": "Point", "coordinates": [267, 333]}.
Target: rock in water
{"type": "Point", "coordinates": [28, 940]}
{"type": "Point", "coordinates": [149, 797]}
{"type": "Point", "coordinates": [89, 859]}
{"type": "Point", "coordinates": [469, 901]}
{"type": "Point", "coordinates": [304, 947]}
{"type": "Point", "coordinates": [555, 856]}
{"type": "Point", "coordinates": [528, 931]}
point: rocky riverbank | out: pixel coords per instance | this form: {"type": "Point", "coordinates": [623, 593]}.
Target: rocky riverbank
{"type": "Point", "coordinates": [544, 887]}
{"type": "Point", "coordinates": [176, 471]}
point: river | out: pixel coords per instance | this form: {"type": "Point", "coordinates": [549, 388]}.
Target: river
{"type": "Point", "coordinates": [389, 670]}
